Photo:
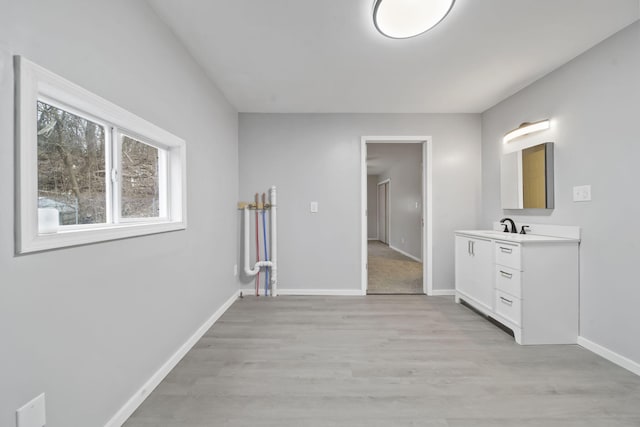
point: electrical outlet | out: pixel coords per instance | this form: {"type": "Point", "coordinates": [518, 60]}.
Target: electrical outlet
{"type": "Point", "coordinates": [313, 207]}
{"type": "Point", "coordinates": [32, 414]}
{"type": "Point", "coordinates": [582, 193]}
{"type": "Point", "coordinates": [235, 269]}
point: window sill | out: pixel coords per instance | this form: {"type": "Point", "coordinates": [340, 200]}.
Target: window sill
{"type": "Point", "coordinates": [67, 238]}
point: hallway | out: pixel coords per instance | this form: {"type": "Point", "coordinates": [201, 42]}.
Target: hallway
{"type": "Point", "coordinates": [390, 272]}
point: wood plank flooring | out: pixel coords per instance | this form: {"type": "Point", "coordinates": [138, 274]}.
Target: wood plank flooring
{"type": "Point", "coordinates": [383, 361]}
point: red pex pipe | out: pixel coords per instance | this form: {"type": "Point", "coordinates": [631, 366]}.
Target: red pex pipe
{"type": "Point", "coordinates": [257, 247]}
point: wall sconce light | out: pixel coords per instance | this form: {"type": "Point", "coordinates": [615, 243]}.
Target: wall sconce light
{"type": "Point", "coordinates": [401, 19]}
{"type": "Point", "coordinates": [526, 128]}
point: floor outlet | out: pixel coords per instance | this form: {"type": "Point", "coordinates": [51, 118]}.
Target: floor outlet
{"type": "Point", "coordinates": [32, 414]}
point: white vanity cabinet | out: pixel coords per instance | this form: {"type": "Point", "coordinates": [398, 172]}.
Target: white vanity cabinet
{"type": "Point", "coordinates": [474, 271]}
{"type": "Point", "coordinates": [533, 284]}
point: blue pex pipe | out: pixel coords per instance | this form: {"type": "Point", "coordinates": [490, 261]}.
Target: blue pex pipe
{"type": "Point", "coordinates": [266, 252]}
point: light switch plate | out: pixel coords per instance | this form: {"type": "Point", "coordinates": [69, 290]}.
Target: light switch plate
{"type": "Point", "coordinates": [313, 207]}
{"type": "Point", "coordinates": [32, 414]}
{"type": "Point", "coordinates": [582, 193]}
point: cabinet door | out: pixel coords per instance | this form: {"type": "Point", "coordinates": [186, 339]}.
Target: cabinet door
{"type": "Point", "coordinates": [464, 265]}
{"type": "Point", "coordinates": [483, 288]}
{"type": "Point", "coordinates": [474, 270]}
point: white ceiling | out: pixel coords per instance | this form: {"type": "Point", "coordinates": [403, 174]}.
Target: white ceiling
{"type": "Point", "coordinates": [326, 56]}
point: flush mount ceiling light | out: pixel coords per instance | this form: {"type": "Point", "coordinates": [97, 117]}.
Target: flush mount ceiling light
{"type": "Point", "coordinates": [401, 19]}
{"type": "Point", "coordinates": [525, 129]}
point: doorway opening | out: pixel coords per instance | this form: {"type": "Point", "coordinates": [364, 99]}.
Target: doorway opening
{"type": "Point", "coordinates": [396, 215]}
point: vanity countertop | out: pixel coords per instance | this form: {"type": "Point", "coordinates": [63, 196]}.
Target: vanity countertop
{"type": "Point", "coordinates": [516, 238]}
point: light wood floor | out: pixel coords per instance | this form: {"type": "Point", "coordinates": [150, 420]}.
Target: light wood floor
{"type": "Point", "coordinates": [383, 361]}
{"type": "Point", "coordinates": [390, 272]}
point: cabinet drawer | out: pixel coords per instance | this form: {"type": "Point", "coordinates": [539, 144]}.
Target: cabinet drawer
{"type": "Point", "coordinates": [508, 307]}
{"type": "Point", "coordinates": [508, 280]}
{"type": "Point", "coordinates": [508, 255]}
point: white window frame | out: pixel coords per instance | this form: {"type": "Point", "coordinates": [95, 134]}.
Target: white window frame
{"type": "Point", "coordinates": [35, 83]}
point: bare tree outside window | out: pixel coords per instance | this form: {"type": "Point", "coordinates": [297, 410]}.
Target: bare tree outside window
{"type": "Point", "coordinates": [71, 166]}
{"type": "Point", "coordinates": [71, 170]}
{"type": "Point", "coordinates": [140, 180]}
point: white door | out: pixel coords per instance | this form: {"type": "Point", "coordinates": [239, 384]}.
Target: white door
{"type": "Point", "coordinates": [383, 210]}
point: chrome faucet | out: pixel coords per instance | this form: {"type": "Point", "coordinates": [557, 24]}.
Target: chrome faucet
{"type": "Point", "coordinates": [506, 228]}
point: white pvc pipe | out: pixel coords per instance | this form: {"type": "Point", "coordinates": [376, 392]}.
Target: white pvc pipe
{"type": "Point", "coordinates": [274, 243]}
{"type": "Point", "coordinates": [258, 265]}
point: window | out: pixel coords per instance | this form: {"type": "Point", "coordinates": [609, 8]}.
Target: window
{"type": "Point", "coordinates": [88, 170]}
{"type": "Point", "coordinates": [141, 177]}
{"type": "Point", "coordinates": [71, 166]}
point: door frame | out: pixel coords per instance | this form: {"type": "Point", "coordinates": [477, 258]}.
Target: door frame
{"type": "Point", "coordinates": [387, 210]}
{"type": "Point", "coordinates": [427, 206]}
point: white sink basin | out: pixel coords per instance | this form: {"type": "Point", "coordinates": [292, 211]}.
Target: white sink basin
{"type": "Point", "coordinates": [513, 237]}
{"type": "Point", "coordinates": [503, 235]}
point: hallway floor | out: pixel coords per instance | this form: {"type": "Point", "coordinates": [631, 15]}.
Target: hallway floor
{"type": "Point", "coordinates": [382, 361]}
{"type": "Point", "coordinates": [390, 272]}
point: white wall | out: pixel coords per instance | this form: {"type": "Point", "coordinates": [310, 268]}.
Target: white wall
{"type": "Point", "coordinates": [317, 157]}
{"type": "Point", "coordinates": [403, 166]}
{"type": "Point", "coordinates": [372, 206]}
{"type": "Point", "coordinates": [594, 104]}
{"type": "Point", "coordinates": [89, 325]}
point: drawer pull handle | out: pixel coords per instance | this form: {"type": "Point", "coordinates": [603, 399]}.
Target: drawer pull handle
{"type": "Point", "coordinates": [506, 250]}
{"type": "Point", "coordinates": [506, 301]}
{"type": "Point", "coordinates": [505, 274]}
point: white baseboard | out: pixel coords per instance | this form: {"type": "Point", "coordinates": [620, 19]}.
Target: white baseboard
{"type": "Point", "coordinates": [322, 292]}
{"type": "Point", "coordinates": [442, 292]}
{"type": "Point", "coordinates": [136, 400]}
{"type": "Point", "coordinates": [610, 355]}
{"type": "Point", "coordinates": [405, 253]}
{"type": "Point", "coordinates": [372, 238]}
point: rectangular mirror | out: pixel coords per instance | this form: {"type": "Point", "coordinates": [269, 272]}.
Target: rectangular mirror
{"type": "Point", "coordinates": [526, 178]}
